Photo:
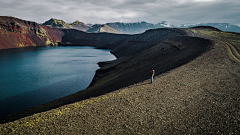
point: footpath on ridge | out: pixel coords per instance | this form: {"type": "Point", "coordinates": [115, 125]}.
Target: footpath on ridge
{"type": "Point", "coordinates": [233, 52]}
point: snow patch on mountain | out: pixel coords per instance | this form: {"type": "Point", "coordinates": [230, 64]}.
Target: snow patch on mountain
{"type": "Point", "coordinates": [140, 27]}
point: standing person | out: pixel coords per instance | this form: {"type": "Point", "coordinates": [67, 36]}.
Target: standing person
{"type": "Point", "coordinates": [152, 72]}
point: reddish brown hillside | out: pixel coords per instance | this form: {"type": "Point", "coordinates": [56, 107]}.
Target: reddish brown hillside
{"type": "Point", "coordinates": [15, 33]}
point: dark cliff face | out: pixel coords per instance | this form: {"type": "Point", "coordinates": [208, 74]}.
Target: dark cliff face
{"type": "Point", "coordinates": [121, 44]}
{"type": "Point", "coordinates": [15, 33]}
{"type": "Point", "coordinates": [99, 40]}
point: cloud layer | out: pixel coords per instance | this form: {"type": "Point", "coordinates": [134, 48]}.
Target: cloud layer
{"type": "Point", "coordinates": [154, 11]}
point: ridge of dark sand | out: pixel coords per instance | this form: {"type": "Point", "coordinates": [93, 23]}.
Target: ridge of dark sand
{"type": "Point", "coordinates": [200, 97]}
{"type": "Point", "coordinates": [108, 69]}
{"type": "Point", "coordinates": [131, 69]}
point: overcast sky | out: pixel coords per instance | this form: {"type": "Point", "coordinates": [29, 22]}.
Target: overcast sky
{"type": "Point", "coordinates": [103, 11]}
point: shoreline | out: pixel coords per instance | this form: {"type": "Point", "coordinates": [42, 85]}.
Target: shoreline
{"type": "Point", "coordinates": [42, 94]}
{"type": "Point", "coordinates": [193, 98]}
{"type": "Point", "coordinates": [198, 94]}
{"type": "Point", "coordinates": [106, 80]}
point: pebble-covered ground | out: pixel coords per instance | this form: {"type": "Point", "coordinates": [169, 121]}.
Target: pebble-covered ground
{"type": "Point", "coordinates": [200, 97]}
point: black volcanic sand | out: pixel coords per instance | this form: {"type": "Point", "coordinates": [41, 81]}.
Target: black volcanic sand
{"type": "Point", "coordinates": [195, 91]}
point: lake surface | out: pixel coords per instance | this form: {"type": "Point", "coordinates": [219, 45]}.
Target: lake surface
{"type": "Point", "coordinates": [37, 75]}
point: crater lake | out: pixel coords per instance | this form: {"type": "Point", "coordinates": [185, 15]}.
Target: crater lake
{"type": "Point", "coordinates": [36, 75]}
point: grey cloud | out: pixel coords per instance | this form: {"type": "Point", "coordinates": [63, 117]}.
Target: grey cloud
{"type": "Point", "coordinates": [154, 11]}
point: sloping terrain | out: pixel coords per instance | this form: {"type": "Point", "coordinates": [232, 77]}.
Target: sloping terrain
{"type": "Point", "coordinates": [55, 23]}
{"type": "Point", "coordinates": [140, 27]}
{"type": "Point", "coordinates": [15, 33]}
{"type": "Point", "coordinates": [221, 26]}
{"type": "Point", "coordinates": [132, 28]}
{"type": "Point", "coordinates": [98, 28]}
{"type": "Point", "coordinates": [148, 39]}
{"type": "Point", "coordinates": [79, 26]}
{"type": "Point", "coordinates": [195, 91]}
{"type": "Point", "coordinates": [100, 40]}
{"type": "Point", "coordinates": [216, 34]}
{"type": "Point", "coordinates": [120, 44]}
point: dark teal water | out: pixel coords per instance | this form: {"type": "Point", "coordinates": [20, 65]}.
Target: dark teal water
{"type": "Point", "coordinates": [34, 76]}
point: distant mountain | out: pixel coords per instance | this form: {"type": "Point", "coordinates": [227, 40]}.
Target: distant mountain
{"type": "Point", "coordinates": [140, 27]}
{"type": "Point", "coordinates": [15, 33]}
{"type": "Point", "coordinates": [164, 24]}
{"type": "Point", "coordinates": [132, 28]}
{"type": "Point", "coordinates": [222, 26]}
{"type": "Point", "coordinates": [79, 26]}
{"type": "Point", "coordinates": [98, 28]}
{"type": "Point", "coordinates": [55, 23]}
{"type": "Point", "coordinates": [94, 28]}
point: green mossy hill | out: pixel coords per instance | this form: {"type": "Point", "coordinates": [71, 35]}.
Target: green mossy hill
{"type": "Point", "coordinates": [61, 24]}
{"type": "Point", "coordinates": [57, 23]}
{"type": "Point", "coordinates": [81, 26]}
{"type": "Point", "coordinates": [76, 23]}
{"type": "Point", "coordinates": [213, 33]}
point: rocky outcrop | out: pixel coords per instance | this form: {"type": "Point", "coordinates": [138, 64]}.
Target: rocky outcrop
{"type": "Point", "coordinates": [55, 23]}
{"type": "Point", "coordinates": [98, 28]}
{"type": "Point", "coordinates": [80, 26]}
{"type": "Point", "coordinates": [15, 33]}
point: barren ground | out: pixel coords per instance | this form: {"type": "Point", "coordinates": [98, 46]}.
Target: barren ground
{"type": "Point", "coordinates": [199, 97]}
